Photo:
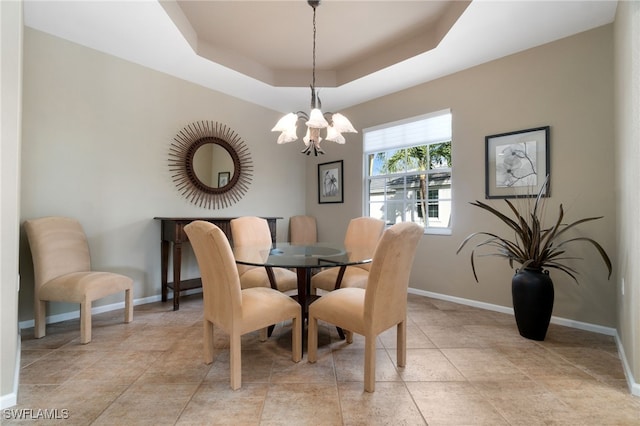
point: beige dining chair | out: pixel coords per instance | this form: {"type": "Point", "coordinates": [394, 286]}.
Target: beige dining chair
{"type": "Point", "coordinates": [254, 231]}
{"type": "Point", "coordinates": [303, 230]}
{"type": "Point", "coordinates": [62, 272]}
{"type": "Point", "coordinates": [235, 310]}
{"type": "Point", "coordinates": [378, 307]}
{"type": "Point", "coordinates": [362, 235]}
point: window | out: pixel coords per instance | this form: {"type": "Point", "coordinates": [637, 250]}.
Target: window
{"type": "Point", "coordinates": [432, 208]}
{"type": "Point", "coordinates": [408, 171]}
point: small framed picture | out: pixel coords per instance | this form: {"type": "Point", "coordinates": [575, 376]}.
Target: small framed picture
{"type": "Point", "coordinates": [330, 185]}
{"type": "Point", "coordinates": [223, 179]}
{"type": "Point", "coordinates": [517, 163]}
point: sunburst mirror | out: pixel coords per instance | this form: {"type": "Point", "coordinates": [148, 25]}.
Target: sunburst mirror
{"type": "Point", "coordinates": [210, 164]}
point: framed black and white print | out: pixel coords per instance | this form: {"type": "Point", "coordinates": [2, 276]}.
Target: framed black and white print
{"type": "Point", "coordinates": [517, 163]}
{"type": "Point", "coordinates": [223, 179]}
{"type": "Point", "coordinates": [330, 185]}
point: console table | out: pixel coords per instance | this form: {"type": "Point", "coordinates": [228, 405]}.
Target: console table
{"type": "Point", "coordinates": [172, 232]}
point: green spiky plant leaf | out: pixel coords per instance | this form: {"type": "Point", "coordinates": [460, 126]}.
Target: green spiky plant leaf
{"type": "Point", "coordinates": [533, 245]}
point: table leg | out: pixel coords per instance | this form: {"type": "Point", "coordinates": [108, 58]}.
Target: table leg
{"type": "Point", "coordinates": [272, 277]}
{"type": "Point", "coordinates": [164, 267]}
{"type": "Point", "coordinates": [304, 287]}
{"type": "Point", "coordinates": [177, 263]}
{"type": "Point", "coordinates": [339, 277]}
{"type": "Point", "coordinates": [338, 283]}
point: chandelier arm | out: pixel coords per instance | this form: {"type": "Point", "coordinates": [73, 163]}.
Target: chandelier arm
{"type": "Point", "coordinates": [302, 114]}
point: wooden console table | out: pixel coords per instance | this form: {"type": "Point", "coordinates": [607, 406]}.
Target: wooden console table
{"type": "Point", "coordinates": [172, 231]}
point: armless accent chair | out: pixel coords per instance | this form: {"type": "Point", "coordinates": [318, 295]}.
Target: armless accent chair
{"type": "Point", "coordinates": [377, 308]}
{"type": "Point", "coordinates": [303, 230]}
{"type": "Point", "coordinates": [362, 233]}
{"type": "Point", "coordinates": [254, 231]}
{"type": "Point", "coordinates": [62, 272]}
{"type": "Point", "coordinates": [231, 308]}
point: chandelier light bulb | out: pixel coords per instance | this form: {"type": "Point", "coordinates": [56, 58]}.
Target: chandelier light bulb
{"type": "Point", "coordinates": [317, 120]}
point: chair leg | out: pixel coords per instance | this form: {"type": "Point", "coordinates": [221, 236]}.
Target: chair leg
{"type": "Point", "coordinates": [85, 322]}
{"type": "Point", "coordinates": [40, 318]}
{"type": "Point", "coordinates": [312, 340]}
{"type": "Point", "coordinates": [296, 339]}
{"type": "Point", "coordinates": [369, 363]}
{"type": "Point", "coordinates": [348, 336]}
{"type": "Point", "coordinates": [402, 344]}
{"type": "Point", "coordinates": [208, 341]}
{"type": "Point", "coordinates": [235, 360]}
{"type": "Point", "coordinates": [128, 305]}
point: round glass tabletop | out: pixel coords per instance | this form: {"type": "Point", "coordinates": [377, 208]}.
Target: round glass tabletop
{"type": "Point", "coordinates": [287, 255]}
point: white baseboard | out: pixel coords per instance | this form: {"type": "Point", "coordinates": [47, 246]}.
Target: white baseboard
{"type": "Point", "coordinates": [505, 310]}
{"type": "Point", "coordinates": [101, 309]}
{"type": "Point", "coordinates": [634, 386]}
{"type": "Point", "coordinates": [8, 400]}
{"type": "Point", "coordinates": [11, 399]}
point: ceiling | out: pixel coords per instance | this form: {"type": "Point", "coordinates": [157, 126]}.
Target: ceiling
{"type": "Point", "coordinates": [261, 51]}
{"type": "Point", "coordinates": [354, 39]}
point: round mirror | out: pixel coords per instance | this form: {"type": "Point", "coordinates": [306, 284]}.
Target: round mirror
{"type": "Point", "coordinates": [211, 164]}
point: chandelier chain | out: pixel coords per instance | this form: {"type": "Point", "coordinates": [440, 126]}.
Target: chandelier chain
{"type": "Point", "coordinates": [313, 81]}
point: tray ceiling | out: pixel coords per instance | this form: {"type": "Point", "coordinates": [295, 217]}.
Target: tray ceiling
{"type": "Point", "coordinates": [261, 51]}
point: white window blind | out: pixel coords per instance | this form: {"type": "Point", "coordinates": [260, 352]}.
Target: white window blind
{"type": "Point", "coordinates": [427, 129]}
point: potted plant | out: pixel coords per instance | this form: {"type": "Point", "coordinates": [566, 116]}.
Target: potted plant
{"type": "Point", "coordinates": [536, 249]}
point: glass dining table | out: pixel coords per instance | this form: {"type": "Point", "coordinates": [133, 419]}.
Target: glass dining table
{"type": "Point", "coordinates": [304, 259]}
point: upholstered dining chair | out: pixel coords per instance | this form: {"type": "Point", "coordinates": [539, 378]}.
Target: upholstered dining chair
{"type": "Point", "coordinates": [303, 230]}
{"type": "Point", "coordinates": [362, 234]}
{"type": "Point", "coordinates": [237, 311]}
{"type": "Point", "coordinates": [254, 231]}
{"type": "Point", "coordinates": [378, 307]}
{"type": "Point", "coordinates": [62, 272]}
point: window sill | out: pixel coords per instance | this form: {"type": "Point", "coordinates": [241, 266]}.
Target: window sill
{"type": "Point", "coordinates": [437, 231]}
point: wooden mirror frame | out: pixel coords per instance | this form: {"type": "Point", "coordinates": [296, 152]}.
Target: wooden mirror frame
{"type": "Point", "coordinates": [181, 153]}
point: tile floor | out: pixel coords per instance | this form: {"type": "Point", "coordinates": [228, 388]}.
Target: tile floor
{"type": "Point", "coordinates": [465, 366]}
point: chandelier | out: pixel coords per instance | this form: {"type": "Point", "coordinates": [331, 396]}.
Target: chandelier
{"type": "Point", "coordinates": [334, 123]}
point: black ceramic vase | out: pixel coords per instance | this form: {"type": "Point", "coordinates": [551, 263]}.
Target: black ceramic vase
{"type": "Point", "coordinates": [532, 292]}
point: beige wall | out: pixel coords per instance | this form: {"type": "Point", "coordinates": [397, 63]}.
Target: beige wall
{"type": "Point", "coordinates": [10, 114]}
{"type": "Point", "coordinates": [567, 85]}
{"type": "Point", "coordinates": [627, 128]}
{"type": "Point", "coordinates": [97, 131]}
